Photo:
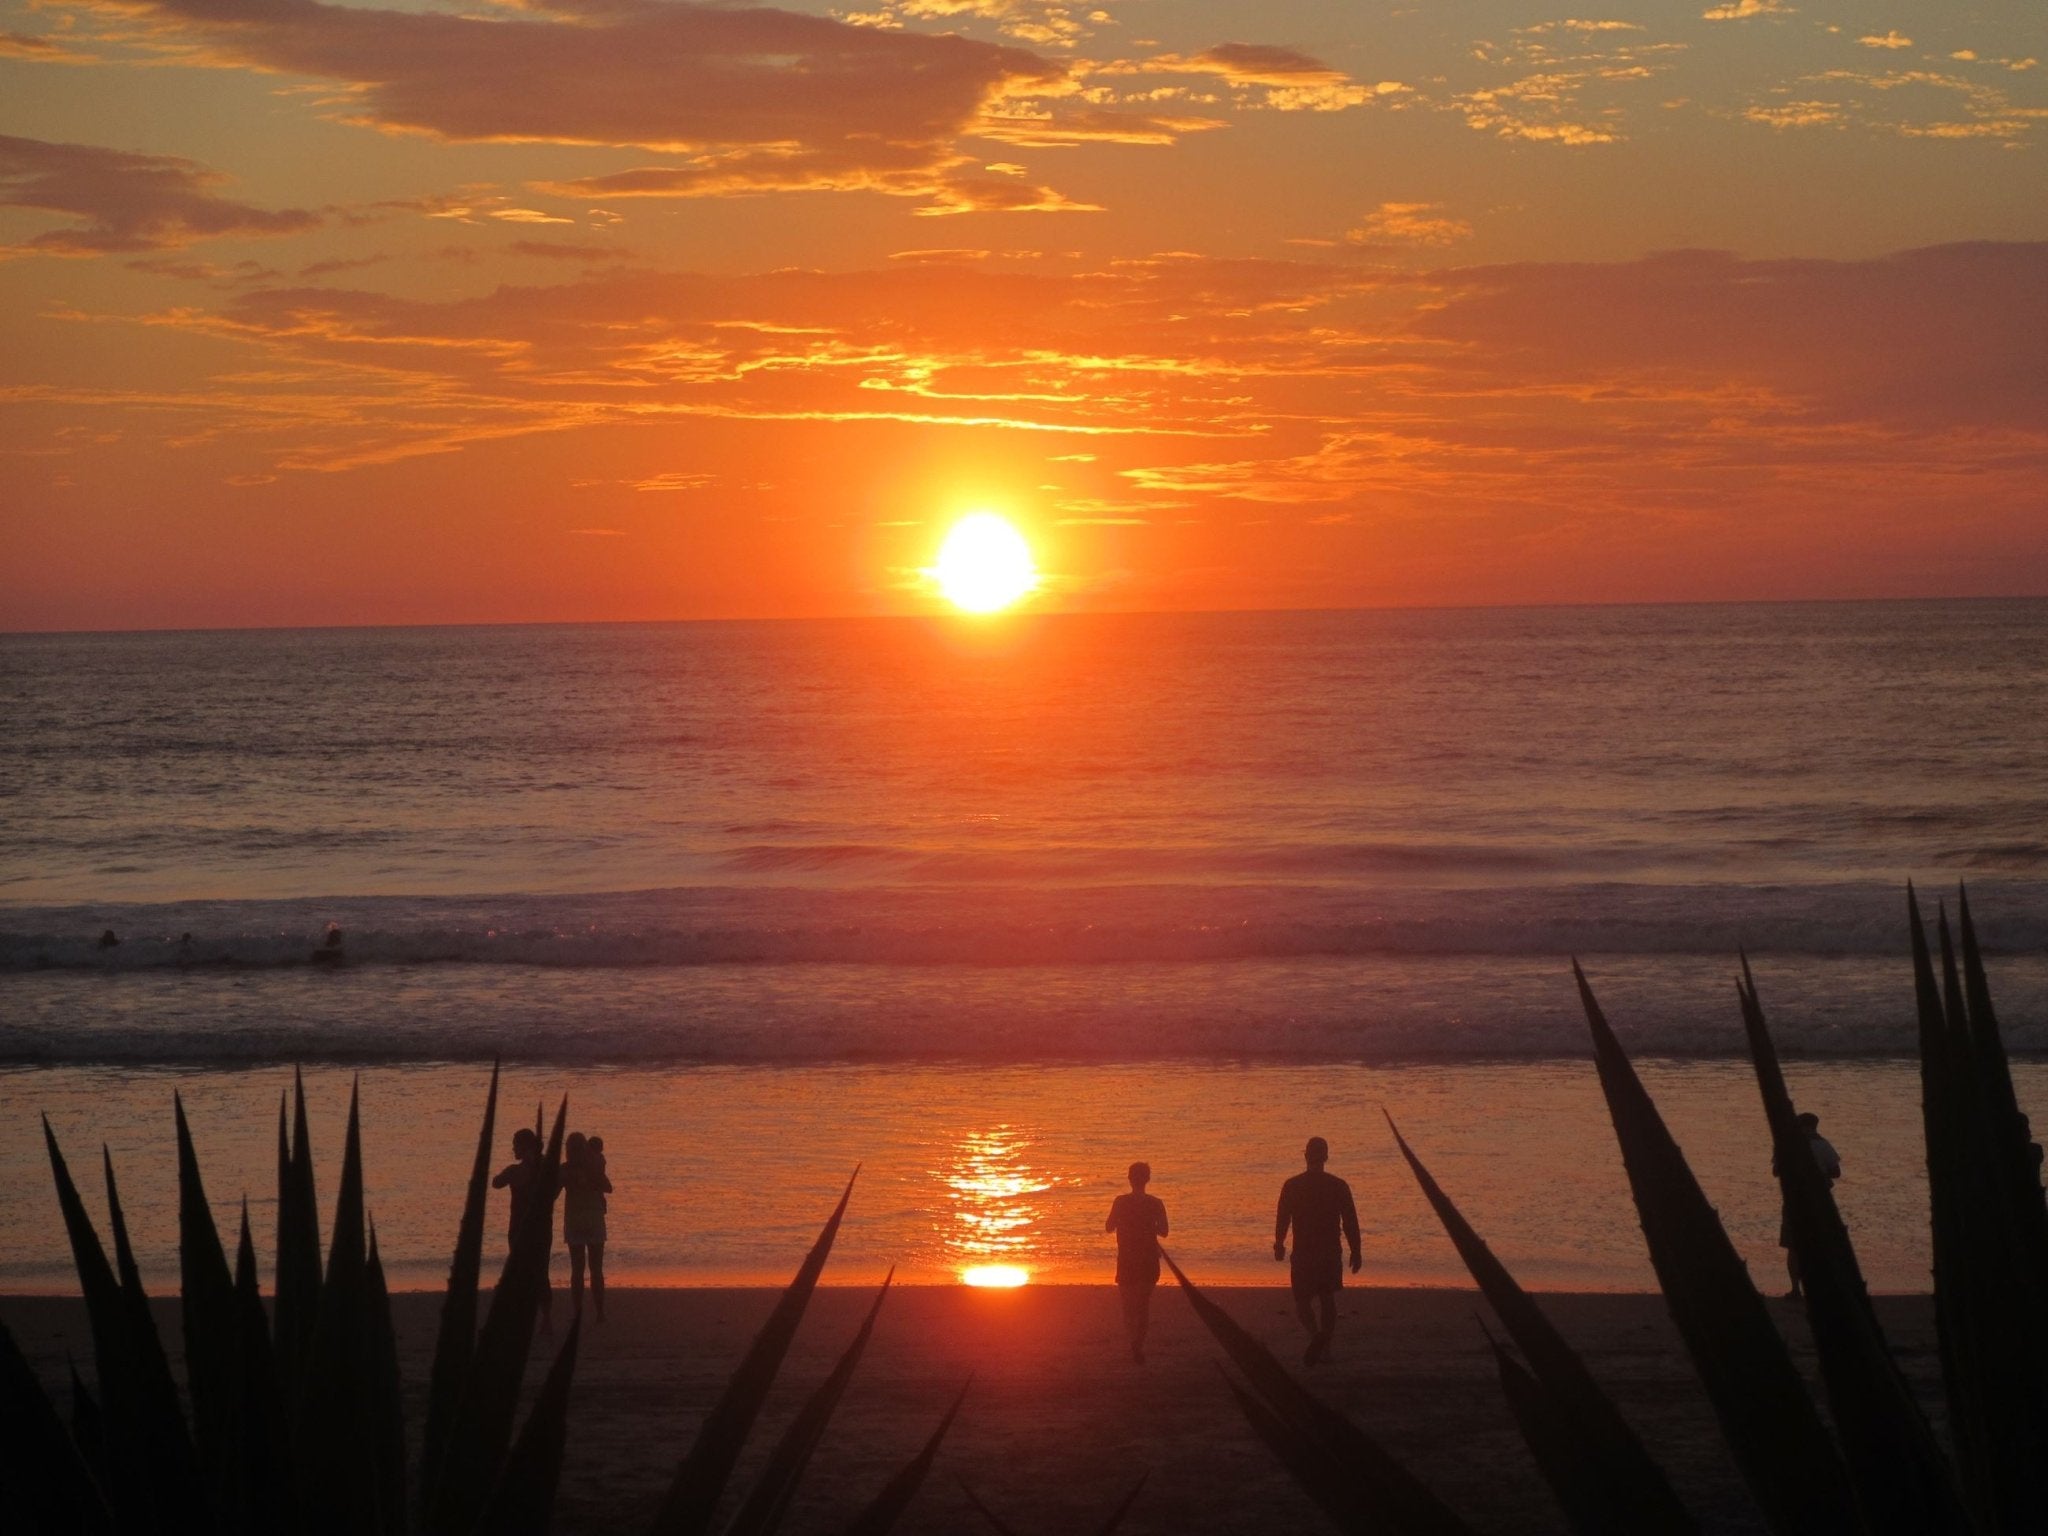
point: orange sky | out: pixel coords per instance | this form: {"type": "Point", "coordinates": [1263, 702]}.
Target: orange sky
{"type": "Point", "coordinates": [624, 309]}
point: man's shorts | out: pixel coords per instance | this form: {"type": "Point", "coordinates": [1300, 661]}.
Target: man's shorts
{"type": "Point", "coordinates": [1316, 1275]}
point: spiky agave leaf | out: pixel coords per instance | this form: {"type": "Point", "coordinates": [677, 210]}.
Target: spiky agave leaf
{"type": "Point", "coordinates": [455, 1342]}
{"type": "Point", "coordinates": [227, 1441]}
{"type": "Point", "coordinates": [480, 1429]}
{"type": "Point", "coordinates": [88, 1426]}
{"type": "Point", "coordinates": [1314, 1470]}
{"type": "Point", "coordinates": [2010, 1376]}
{"type": "Point", "coordinates": [45, 1483]}
{"type": "Point", "coordinates": [298, 1242]}
{"type": "Point", "coordinates": [701, 1475]}
{"type": "Point", "coordinates": [996, 1521]}
{"type": "Point", "coordinates": [1793, 1469]}
{"type": "Point", "coordinates": [523, 1503]}
{"type": "Point", "coordinates": [153, 1480]}
{"type": "Point", "coordinates": [386, 1410]}
{"type": "Point", "coordinates": [1902, 1480]}
{"type": "Point", "coordinates": [1339, 1453]}
{"type": "Point", "coordinates": [880, 1517]}
{"type": "Point", "coordinates": [2007, 1131]}
{"type": "Point", "coordinates": [1616, 1485]}
{"type": "Point", "coordinates": [768, 1501]}
{"type": "Point", "coordinates": [1942, 1125]}
{"type": "Point", "coordinates": [1562, 1456]}
{"type": "Point", "coordinates": [269, 1459]}
{"type": "Point", "coordinates": [151, 1364]}
{"type": "Point", "coordinates": [334, 1439]}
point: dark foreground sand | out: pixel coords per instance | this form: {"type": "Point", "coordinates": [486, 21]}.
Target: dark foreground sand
{"type": "Point", "coordinates": [1059, 1423]}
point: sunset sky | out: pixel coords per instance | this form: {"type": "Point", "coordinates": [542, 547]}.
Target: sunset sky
{"type": "Point", "coordinates": [634, 309]}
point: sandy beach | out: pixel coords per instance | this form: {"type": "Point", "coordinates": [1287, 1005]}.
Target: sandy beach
{"type": "Point", "coordinates": [1059, 1424]}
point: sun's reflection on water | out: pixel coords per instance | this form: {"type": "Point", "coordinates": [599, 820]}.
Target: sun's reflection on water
{"type": "Point", "coordinates": [990, 1184]}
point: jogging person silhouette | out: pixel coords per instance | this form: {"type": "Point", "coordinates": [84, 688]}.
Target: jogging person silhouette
{"type": "Point", "coordinates": [1317, 1205]}
{"type": "Point", "coordinates": [1139, 1221]}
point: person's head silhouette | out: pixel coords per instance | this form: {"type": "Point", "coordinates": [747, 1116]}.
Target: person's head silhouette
{"type": "Point", "coordinates": [572, 1149]}
{"type": "Point", "coordinates": [1317, 1152]}
{"type": "Point", "coordinates": [1140, 1176]}
{"type": "Point", "coordinates": [525, 1144]}
{"type": "Point", "coordinates": [1809, 1123]}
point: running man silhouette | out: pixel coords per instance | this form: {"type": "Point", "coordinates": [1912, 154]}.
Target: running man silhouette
{"type": "Point", "coordinates": [523, 1177]}
{"type": "Point", "coordinates": [1317, 1205]}
{"type": "Point", "coordinates": [1139, 1221]}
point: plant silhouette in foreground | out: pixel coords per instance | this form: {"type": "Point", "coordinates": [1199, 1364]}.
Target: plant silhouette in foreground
{"type": "Point", "coordinates": [1880, 1470]}
{"type": "Point", "coordinates": [295, 1424]}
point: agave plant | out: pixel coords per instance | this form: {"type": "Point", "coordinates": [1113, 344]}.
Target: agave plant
{"type": "Point", "coordinates": [1881, 1470]}
{"type": "Point", "coordinates": [295, 1424]}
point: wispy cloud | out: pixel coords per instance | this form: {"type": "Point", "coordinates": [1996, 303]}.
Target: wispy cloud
{"type": "Point", "coordinates": [118, 202]}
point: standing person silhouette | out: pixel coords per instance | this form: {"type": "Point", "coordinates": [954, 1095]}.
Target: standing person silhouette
{"type": "Point", "coordinates": [523, 1177]}
{"type": "Point", "coordinates": [1139, 1221]}
{"type": "Point", "coordinates": [1317, 1205]}
{"type": "Point", "coordinates": [584, 1186]}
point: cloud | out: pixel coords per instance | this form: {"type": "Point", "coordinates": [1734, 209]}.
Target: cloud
{"type": "Point", "coordinates": [1275, 383]}
{"type": "Point", "coordinates": [1254, 64]}
{"type": "Point", "coordinates": [1797, 114]}
{"type": "Point", "coordinates": [1580, 26]}
{"type": "Point", "coordinates": [1046, 129]}
{"type": "Point", "coordinates": [1742, 10]}
{"type": "Point", "coordinates": [1266, 76]}
{"type": "Point", "coordinates": [559, 250]}
{"type": "Point", "coordinates": [993, 194]}
{"type": "Point", "coordinates": [770, 97]}
{"type": "Point", "coordinates": [1410, 224]}
{"type": "Point", "coordinates": [1891, 39]}
{"type": "Point", "coordinates": [41, 50]}
{"type": "Point", "coordinates": [122, 202]}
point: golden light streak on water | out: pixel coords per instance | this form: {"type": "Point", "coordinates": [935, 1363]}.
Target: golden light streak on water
{"type": "Point", "coordinates": [990, 1189]}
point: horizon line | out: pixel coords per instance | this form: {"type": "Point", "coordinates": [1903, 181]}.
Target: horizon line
{"type": "Point", "coordinates": [992, 619]}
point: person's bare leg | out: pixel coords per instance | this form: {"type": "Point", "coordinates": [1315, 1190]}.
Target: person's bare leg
{"type": "Point", "coordinates": [547, 1295]}
{"type": "Point", "coordinates": [1137, 1300]}
{"type": "Point", "coordinates": [597, 1278]}
{"type": "Point", "coordinates": [1792, 1270]}
{"type": "Point", "coordinates": [1304, 1309]}
{"type": "Point", "coordinates": [575, 1279]}
{"type": "Point", "coordinates": [1326, 1306]}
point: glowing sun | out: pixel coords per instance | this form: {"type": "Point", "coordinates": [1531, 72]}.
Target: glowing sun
{"type": "Point", "coordinates": [984, 564]}
{"type": "Point", "coordinates": [1000, 1277]}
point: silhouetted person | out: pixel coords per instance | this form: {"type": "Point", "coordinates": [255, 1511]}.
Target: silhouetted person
{"type": "Point", "coordinates": [1139, 1221]}
{"type": "Point", "coordinates": [1830, 1163]}
{"type": "Point", "coordinates": [523, 1178]}
{"type": "Point", "coordinates": [109, 939]}
{"type": "Point", "coordinates": [1318, 1206]}
{"type": "Point", "coordinates": [584, 1186]}
{"type": "Point", "coordinates": [329, 952]}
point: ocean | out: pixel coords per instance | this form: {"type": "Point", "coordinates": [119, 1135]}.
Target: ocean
{"type": "Point", "coordinates": [782, 868]}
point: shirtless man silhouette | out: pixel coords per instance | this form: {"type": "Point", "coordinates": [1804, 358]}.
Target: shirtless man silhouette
{"type": "Point", "coordinates": [1317, 1205]}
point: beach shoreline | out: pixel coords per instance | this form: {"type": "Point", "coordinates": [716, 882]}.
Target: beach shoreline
{"type": "Point", "coordinates": [1059, 1423]}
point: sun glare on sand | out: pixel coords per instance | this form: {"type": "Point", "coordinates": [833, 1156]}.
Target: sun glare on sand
{"type": "Point", "coordinates": [984, 565]}
{"type": "Point", "coordinates": [998, 1277]}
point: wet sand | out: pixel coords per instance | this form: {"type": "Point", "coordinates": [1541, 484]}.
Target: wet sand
{"type": "Point", "coordinates": [1059, 1423]}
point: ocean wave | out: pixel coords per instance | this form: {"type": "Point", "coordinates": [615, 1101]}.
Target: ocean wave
{"type": "Point", "coordinates": [990, 925]}
{"type": "Point", "coordinates": [1361, 1009]}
